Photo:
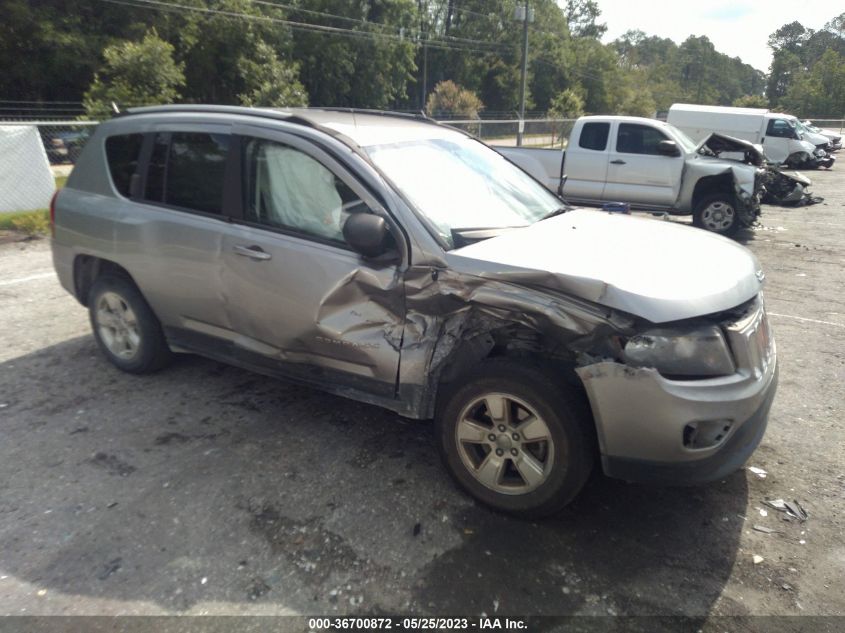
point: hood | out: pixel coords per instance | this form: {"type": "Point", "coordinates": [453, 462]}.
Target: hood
{"type": "Point", "coordinates": [658, 270]}
{"type": "Point", "coordinates": [719, 143]}
{"type": "Point", "coordinates": [797, 177]}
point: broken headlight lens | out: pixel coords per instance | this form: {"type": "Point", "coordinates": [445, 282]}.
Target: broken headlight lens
{"type": "Point", "coordinates": [701, 351]}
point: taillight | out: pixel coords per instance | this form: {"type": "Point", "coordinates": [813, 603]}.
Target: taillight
{"type": "Point", "coordinates": [53, 213]}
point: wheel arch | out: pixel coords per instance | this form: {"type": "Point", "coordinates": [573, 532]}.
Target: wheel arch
{"type": "Point", "coordinates": [88, 268]}
{"type": "Point", "coordinates": [498, 339]}
{"type": "Point", "coordinates": [710, 185]}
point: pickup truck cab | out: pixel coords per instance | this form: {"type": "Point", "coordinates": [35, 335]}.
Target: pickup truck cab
{"type": "Point", "coordinates": [653, 166]}
{"type": "Point", "coordinates": [395, 261]}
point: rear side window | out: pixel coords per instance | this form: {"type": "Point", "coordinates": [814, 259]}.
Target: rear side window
{"type": "Point", "coordinates": [122, 154]}
{"type": "Point", "coordinates": [187, 169]}
{"type": "Point", "coordinates": [594, 136]}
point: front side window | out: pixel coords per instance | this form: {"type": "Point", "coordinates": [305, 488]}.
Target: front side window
{"type": "Point", "coordinates": [287, 189]}
{"type": "Point", "coordinates": [187, 170]}
{"type": "Point", "coordinates": [638, 139]}
{"type": "Point", "coordinates": [779, 128]}
{"type": "Point", "coordinates": [122, 154]}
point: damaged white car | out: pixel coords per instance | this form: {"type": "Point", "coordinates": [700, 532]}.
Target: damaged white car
{"type": "Point", "coordinates": [398, 262]}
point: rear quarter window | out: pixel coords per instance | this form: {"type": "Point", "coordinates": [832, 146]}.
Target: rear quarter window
{"type": "Point", "coordinates": [594, 136]}
{"type": "Point", "coordinates": [122, 155]}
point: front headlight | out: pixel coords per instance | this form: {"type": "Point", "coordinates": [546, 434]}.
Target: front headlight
{"type": "Point", "coordinates": [701, 351]}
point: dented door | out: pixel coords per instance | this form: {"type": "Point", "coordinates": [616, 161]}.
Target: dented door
{"type": "Point", "coordinates": [296, 295]}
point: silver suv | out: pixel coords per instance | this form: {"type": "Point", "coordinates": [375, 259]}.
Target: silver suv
{"type": "Point", "coordinates": [403, 263]}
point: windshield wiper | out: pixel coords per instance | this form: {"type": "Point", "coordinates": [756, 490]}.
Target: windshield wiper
{"type": "Point", "coordinates": [466, 236]}
{"type": "Point", "coordinates": [558, 211]}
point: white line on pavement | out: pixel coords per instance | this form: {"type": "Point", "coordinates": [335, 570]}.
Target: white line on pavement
{"type": "Point", "coordinates": [798, 318]}
{"type": "Point", "coordinates": [23, 280]}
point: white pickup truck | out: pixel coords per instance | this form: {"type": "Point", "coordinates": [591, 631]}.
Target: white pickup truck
{"type": "Point", "coordinates": [653, 166]}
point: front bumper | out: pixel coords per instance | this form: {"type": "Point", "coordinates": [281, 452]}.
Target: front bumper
{"type": "Point", "coordinates": [728, 458]}
{"type": "Point", "coordinates": [643, 418]}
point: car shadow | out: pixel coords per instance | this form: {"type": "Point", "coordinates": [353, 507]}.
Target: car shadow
{"type": "Point", "coordinates": [207, 485]}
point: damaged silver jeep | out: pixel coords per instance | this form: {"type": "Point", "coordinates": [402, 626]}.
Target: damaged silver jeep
{"type": "Point", "coordinates": [399, 262]}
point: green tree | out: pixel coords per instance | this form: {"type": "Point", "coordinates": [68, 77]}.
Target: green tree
{"type": "Point", "coordinates": [751, 101]}
{"type": "Point", "coordinates": [448, 99]}
{"type": "Point", "coordinates": [371, 66]}
{"type": "Point", "coordinates": [821, 92]}
{"type": "Point", "coordinates": [582, 16]}
{"type": "Point", "coordinates": [270, 81]}
{"type": "Point", "coordinates": [567, 105]}
{"type": "Point", "coordinates": [134, 73]}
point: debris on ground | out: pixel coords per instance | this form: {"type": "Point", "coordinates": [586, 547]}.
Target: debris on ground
{"type": "Point", "coordinates": [764, 529]}
{"type": "Point", "coordinates": [792, 509]}
{"type": "Point", "coordinates": [757, 559]}
{"type": "Point", "coordinates": [758, 471]}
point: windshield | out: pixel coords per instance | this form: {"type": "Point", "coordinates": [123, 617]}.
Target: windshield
{"type": "Point", "coordinates": [459, 183]}
{"type": "Point", "coordinates": [686, 143]}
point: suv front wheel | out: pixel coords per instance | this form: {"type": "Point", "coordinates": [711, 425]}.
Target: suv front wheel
{"type": "Point", "coordinates": [515, 439]}
{"type": "Point", "coordinates": [126, 330]}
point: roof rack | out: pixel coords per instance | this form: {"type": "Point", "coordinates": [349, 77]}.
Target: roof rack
{"type": "Point", "coordinates": [297, 114]}
{"type": "Point", "coordinates": [204, 108]}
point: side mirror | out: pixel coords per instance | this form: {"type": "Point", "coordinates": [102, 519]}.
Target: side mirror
{"type": "Point", "coordinates": [367, 234]}
{"type": "Point", "coordinates": [668, 148]}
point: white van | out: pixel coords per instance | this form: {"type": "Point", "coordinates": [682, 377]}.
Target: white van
{"type": "Point", "coordinates": [778, 134]}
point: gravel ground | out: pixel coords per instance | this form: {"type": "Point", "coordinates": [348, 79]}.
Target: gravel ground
{"type": "Point", "coordinates": [206, 489]}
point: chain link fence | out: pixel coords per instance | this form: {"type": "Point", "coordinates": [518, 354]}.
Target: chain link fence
{"type": "Point", "coordinates": [548, 133]}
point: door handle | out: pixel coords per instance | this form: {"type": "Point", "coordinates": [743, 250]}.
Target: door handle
{"type": "Point", "coordinates": [618, 162]}
{"type": "Point", "coordinates": [253, 252]}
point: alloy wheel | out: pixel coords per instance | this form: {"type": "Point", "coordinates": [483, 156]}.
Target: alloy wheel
{"type": "Point", "coordinates": [118, 325]}
{"type": "Point", "coordinates": [505, 444]}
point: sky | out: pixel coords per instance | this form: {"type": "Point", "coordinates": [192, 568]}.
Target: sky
{"type": "Point", "coordinates": [737, 28]}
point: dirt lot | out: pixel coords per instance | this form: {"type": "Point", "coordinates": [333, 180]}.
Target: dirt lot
{"type": "Point", "coordinates": [205, 489]}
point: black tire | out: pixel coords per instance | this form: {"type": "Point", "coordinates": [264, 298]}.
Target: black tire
{"type": "Point", "coordinates": [567, 419]}
{"type": "Point", "coordinates": [720, 203]}
{"type": "Point", "coordinates": [151, 352]}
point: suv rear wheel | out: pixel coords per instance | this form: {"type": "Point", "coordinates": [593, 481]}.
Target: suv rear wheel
{"type": "Point", "coordinates": [127, 331]}
{"type": "Point", "coordinates": [717, 213]}
{"type": "Point", "coordinates": [515, 439]}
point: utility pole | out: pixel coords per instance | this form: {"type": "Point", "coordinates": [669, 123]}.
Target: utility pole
{"type": "Point", "coordinates": [425, 70]}
{"type": "Point", "coordinates": [526, 15]}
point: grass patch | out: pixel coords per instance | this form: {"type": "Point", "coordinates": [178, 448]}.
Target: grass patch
{"type": "Point", "coordinates": [32, 223]}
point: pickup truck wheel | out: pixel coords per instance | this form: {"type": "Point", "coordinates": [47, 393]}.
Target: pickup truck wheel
{"type": "Point", "coordinates": [515, 439]}
{"type": "Point", "coordinates": [717, 213]}
{"type": "Point", "coordinates": [126, 330]}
